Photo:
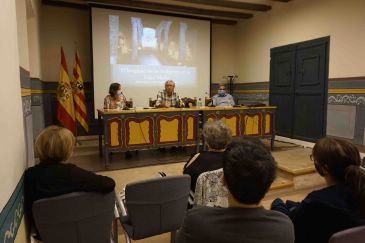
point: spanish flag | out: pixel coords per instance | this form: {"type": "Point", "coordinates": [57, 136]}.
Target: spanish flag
{"type": "Point", "coordinates": [65, 109]}
{"type": "Point", "coordinates": [79, 94]}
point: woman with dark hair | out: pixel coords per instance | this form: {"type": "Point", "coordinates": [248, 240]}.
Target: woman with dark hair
{"type": "Point", "coordinates": [116, 98]}
{"type": "Point", "coordinates": [338, 206]}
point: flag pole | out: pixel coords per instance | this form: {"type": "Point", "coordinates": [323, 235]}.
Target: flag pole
{"type": "Point", "coordinates": [76, 133]}
{"type": "Point", "coordinates": [79, 97]}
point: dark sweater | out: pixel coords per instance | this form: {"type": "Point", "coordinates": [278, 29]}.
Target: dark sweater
{"type": "Point", "coordinates": [53, 179]}
{"type": "Point", "coordinates": [206, 161]}
{"type": "Point", "coordinates": [235, 225]}
{"type": "Point", "coordinates": [322, 213]}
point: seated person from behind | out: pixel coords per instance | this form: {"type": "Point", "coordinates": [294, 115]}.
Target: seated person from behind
{"type": "Point", "coordinates": [217, 136]}
{"type": "Point", "coordinates": [222, 98]}
{"type": "Point", "coordinates": [116, 98]}
{"type": "Point", "coordinates": [339, 205]}
{"type": "Point", "coordinates": [248, 169]}
{"type": "Point", "coordinates": [167, 97]}
{"type": "Point", "coordinates": [53, 176]}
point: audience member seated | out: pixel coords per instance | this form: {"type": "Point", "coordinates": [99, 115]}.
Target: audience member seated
{"type": "Point", "coordinates": [210, 190]}
{"type": "Point", "coordinates": [338, 206]}
{"type": "Point", "coordinates": [248, 171]}
{"type": "Point", "coordinates": [222, 98]}
{"type": "Point", "coordinates": [53, 176]}
{"type": "Point", "coordinates": [115, 99]}
{"type": "Point", "coordinates": [168, 97]}
{"type": "Point", "coordinates": [217, 136]}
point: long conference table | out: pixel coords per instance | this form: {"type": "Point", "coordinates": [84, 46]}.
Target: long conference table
{"type": "Point", "coordinates": [137, 129]}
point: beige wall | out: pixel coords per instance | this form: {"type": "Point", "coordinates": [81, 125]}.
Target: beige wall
{"type": "Point", "coordinates": [33, 24]}
{"type": "Point", "coordinates": [22, 31]}
{"type": "Point", "coordinates": [69, 28]}
{"type": "Point", "coordinates": [12, 142]}
{"type": "Point", "coordinates": [300, 20]}
{"type": "Point", "coordinates": [223, 52]}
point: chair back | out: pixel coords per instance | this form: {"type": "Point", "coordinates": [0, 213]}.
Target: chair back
{"type": "Point", "coordinates": [78, 217]}
{"type": "Point", "coordinates": [208, 101]}
{"type": "Point", "coordinates": [156, 206]}
{"type": "Point", "coordinates": [353, 235]}
{"type": "Point", "coordinates": [152, 102]}
{"type": "Point", "coordinates": [189, 102]}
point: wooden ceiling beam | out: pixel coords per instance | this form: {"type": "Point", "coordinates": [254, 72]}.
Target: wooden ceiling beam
{"type": "Point", "coordinates": [231, 4]}
{"type": "Point", "coordinates": [173, 8]}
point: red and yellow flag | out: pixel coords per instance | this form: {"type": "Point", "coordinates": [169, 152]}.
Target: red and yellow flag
{"type": "Point", "coordinates": [65, 109]}
{"type": "Point", "coordinates": [79, 94]}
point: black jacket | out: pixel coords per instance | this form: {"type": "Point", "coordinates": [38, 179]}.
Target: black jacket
{"type": "Point", "coordinates": [53, 179]}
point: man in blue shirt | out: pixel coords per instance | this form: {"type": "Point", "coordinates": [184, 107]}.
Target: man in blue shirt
{"type": "Point", "coordinates": [222, 98]}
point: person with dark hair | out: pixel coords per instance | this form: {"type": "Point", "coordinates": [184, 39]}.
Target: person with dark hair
{"type": "Point", "coordinates": [338, 206]}
{"type": "Point", "coordinates": [249, 170]}
{"type": "Point", "coordinates": [217, 136]}
{"type": "Point", "coordinates": [53, 176]}
{"type": "Point", "coordinates": [116, 98]}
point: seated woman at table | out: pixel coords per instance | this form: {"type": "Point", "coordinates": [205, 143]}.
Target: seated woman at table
{"type": "Point", "coordinates": [116, 98]}
{"type": "Point", "coordinates": [338, 206]}
{"type": "Point", "coordinates": [52, 176]}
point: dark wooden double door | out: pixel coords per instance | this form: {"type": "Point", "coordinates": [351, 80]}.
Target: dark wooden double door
{"type": "Point", "coordinates": [298, 87]}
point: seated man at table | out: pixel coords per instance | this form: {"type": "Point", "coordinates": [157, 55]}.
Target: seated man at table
{"type": "Point", "coordinates": [222, 98]}
{"type": "Point", "coordinates": [167, 97]}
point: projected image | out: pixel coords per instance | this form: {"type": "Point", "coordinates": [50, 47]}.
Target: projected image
{"type": "Point", "coordinates": [143, 50]}
{"type": "Point", "coordinates": [150, 41]}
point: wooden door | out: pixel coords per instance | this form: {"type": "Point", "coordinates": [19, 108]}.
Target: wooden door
{"type": "Point", "coordinates": [303, 96]}
{"type": "Point", "coordinates": [310, 102]}
{"type": "Point", "coordinates": [282, 70]}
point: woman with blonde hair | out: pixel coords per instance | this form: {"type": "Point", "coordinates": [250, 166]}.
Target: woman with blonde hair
{"type": "Point", "coordinates": [52, 176]}
{"type": "Point", "coordinates": [338, 206]}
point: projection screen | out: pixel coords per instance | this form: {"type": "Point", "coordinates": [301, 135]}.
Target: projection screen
{"type": "Point", "coordinates": [141, 51]}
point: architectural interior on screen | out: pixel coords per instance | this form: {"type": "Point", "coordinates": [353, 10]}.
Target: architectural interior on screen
{"type": "Point", "coordinates": [295, 69]}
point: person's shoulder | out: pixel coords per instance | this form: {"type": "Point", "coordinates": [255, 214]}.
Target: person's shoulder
{"type": "Point", "coordinates": [31, 170]}
{"type": "Point", "coordinates": [279, 216]}
{"type": "Point", "coordinates": [279, 219]}
{"type": "Point", "coordinates": [200, 212]}
{"type": "Point", "coordinates": [192, 160]}
{"type": "Point", "coordinates": [215, 96]}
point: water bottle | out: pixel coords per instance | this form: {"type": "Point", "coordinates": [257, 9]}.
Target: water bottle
{"type": "Point", "coordinates": [200, 104]}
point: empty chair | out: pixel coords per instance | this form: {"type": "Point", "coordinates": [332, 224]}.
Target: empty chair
{"type": "Point", "coordinates": [189, 102]}
{"type": "Point", "coordinates": [155, 206]}
{"type": "Point", "coordinates": [78, 217]}
{"type": "Point", "coordinates": [151, 102]}
{"type": "Point", "coordinates": [353, 235]}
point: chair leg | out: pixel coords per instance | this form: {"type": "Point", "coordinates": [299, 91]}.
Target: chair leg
{"type": "Point", "coordinates": [173, 236]}
{"type": "Point", "coordinates": [115, 230]}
